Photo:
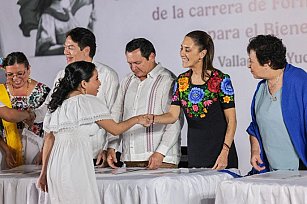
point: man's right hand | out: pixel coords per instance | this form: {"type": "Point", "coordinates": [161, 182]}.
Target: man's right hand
{"type": "Point", "coordinates": [102, 158]}
{"type": "Point", "coordinates": [111, 158]}
{"type": "Point", "coordinates": [30, 120]}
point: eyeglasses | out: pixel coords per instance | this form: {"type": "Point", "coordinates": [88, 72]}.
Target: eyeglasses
{"type": "Point", "coordinates": [18, 74]}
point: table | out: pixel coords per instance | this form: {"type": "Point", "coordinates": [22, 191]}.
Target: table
{"type": "Point", "coordinates": [131, 185]}
{"type": "Point", "coordinates": [276, 187]}
{"type": "Point", "coordinates": [18, 186]}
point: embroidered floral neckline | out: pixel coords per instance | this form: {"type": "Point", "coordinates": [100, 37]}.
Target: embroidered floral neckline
{"type": "Point", "coordinates": [196, 99]}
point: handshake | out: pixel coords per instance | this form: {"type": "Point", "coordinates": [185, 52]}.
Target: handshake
{"type": "Point", "coordinates": [146, 120]}
{"type": "Point", "coordinates": [31, 117]}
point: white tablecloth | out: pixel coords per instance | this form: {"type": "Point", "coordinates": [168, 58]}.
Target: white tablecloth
{"type": "Point", "coordinates": [129, 186]}
{"type": "Point", "coordinates": [278, 187]}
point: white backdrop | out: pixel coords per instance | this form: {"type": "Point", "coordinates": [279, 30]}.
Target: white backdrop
{"type": "Point", "coordinates": [230, 23]}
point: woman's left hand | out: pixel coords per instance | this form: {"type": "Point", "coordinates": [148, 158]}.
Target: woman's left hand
{"type": "Point", "coordinates": [222, 160]}
{"type": "Point", "coordinates": [42, 182]}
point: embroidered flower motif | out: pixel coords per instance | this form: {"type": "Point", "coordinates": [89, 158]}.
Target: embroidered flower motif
{"type": "Point", "coordinates": [205, 110]}
{"type": "Point", "coordinates": [175, 98]}
{"type": "Point", "coordinates": [226, 99]}
{"type": "Point", "coordinates": [35, 129]}
{"type": "Point", "coordinates": [214, 84]}
{"type": "Point", "coordinates": [226, 87]}
{"type": "Point", "coordinates": [195, 108]}
{"type": "Point", "coordinates": [184, 103]}
{"type": "Point", "coordinates": [196, 99]}
{"type": "Point", "coordinates": [215, 73]}
{"type": "Point", "coordinates": [196, 95]}
{"type": "Point", "coordinates": [183, 84]}
{"type": "Point", "coordinates": [208, 102]}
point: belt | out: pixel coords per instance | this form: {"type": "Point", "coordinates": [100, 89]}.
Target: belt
{"type": "Point", "coordinates": [145, 164]}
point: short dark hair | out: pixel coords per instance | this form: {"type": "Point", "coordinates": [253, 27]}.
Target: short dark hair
{"type": "Point", "coordinates": [16, 57]}
{"type": "Point", "coordinates": [269, 49]}
{"type": "Point", "coordinates": [145, 46]}
{"type": "Point", "coordinates": [84, 37]}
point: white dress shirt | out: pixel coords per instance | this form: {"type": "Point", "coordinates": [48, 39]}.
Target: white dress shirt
{"type": "Point", "coordinates": [107, 92]}
{"type": "Point", "coordinates": [153, 96]}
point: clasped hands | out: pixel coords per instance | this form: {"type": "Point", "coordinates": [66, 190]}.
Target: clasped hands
{"type": "Point", "coordinates": [146, 120]}
{"type": "Point", "coordinates": [30, 120]}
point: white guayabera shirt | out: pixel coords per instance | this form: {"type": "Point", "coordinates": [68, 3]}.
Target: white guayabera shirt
{"type": "Point", "coordinates": [153, 96]}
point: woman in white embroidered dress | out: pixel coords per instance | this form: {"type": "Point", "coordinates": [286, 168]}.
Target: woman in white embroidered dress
{"type": "Point", "coordinates": [74, 114]}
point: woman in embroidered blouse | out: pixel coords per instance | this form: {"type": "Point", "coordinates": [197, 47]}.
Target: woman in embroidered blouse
{"type": "Point", "coordinates": [278, 111]}
{"type": "Point", "coordinates": [24, 93]}
{"type": "Point", "coordinates": [74, 114]}
{"type": "Point", "coordinates": [206, 96]}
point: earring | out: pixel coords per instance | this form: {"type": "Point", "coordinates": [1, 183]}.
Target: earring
{"type": "Point", "coordinates": [29, 80]}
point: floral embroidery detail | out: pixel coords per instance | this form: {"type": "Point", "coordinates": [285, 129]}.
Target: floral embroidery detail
{"type": "Point", "coordinates": [33, 101]}
{"type": "Point", "coordinates": [214, 83]}
{"type": "Point", "coordinates": [205, 110]}
{"type": "Point", "coordinates": [175, 98]}
{"type": "Point", "coordinates": [226, 99]}
{"type": "Point", "coordinates": [202, 115]}
{"type": "Point", "coordinates": [183, 83]}
{"type": "Point", "coordinates": [195, 108]}
{"type": "Point", "coordinates": [196, 95]}
{"type": "Point", "coordinates": [208, 103]}
{"type": "Point", "coordinates": [184, 103]}
{"type": "Point", "coordinates": [226, 87]}
{"type": "Point", "coordinates": [197, 99]}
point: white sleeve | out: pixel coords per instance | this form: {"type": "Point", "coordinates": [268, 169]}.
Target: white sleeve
{"type": "Point", "coordinates": [111, 85]}
{"type": "Point", "coordinates": [41, 111]}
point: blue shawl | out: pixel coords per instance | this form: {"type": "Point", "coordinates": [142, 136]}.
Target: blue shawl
{"type": "Point", "coordinates": [294, 111]}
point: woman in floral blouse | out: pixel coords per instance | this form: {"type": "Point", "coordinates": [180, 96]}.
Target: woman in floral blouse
{"type": "Point", "coordinates": [24, 93]}
{"type": "Point", "coordinates": [206, 96]}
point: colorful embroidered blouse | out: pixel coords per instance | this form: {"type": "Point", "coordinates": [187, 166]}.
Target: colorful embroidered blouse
{"type": "Point", "coordinates": [196, 100]}
{"type": "Point", "coordinates": [34, 100]}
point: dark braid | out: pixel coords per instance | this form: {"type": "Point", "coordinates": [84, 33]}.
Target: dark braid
{"type": "Point", "coordinates": [75, 73]}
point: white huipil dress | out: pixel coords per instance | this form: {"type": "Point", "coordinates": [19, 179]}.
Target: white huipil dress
{"type": "Point", "coordinates": [70, 171]}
